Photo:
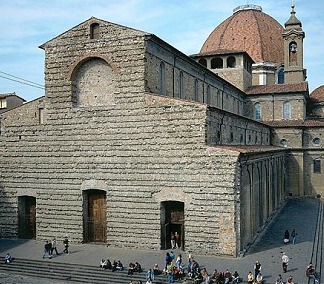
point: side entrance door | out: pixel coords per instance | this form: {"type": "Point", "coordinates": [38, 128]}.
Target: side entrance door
{"type": "Point", "coordinates": [27, 217]}
{"type": "Point", "coordinates": [95, 221]}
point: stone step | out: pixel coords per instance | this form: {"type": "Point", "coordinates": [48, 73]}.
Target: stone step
{"type": "Point", "coordinates": [72, 272]}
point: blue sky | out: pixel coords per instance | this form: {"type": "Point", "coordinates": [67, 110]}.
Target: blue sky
{"type": "Point", "coordinates": [185, 24]}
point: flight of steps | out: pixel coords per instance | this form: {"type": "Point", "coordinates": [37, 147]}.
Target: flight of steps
{"type": "Point", "coordinates": [72, 272]}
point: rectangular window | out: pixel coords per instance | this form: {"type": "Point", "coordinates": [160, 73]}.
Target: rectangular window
{"type": "Point", "coordinates": [286, 110]}
{"type": "Point", "coordinates": [41, 115]}
{"type": "Point", "coordinates": [317, 166]}
{"type": "Point", "coordinates": [3, 103]}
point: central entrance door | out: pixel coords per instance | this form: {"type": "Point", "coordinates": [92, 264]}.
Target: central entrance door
{"type": "Point", "coordinates": [95, 216]}
{"type": "Point", "coordinates": [172, 224]}
{"type": "Point", "coordinates": [27, 217]}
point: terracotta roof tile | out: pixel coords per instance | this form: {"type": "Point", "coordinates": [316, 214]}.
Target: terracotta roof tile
{"type": "Point", "coordinates": [318, 94]}
{"type": "Point", "coordinates": [296, 123]}
{"type": "Point", "coordinates": [278, 88]}
{"type": "Point", "coordinates": [251, 30]}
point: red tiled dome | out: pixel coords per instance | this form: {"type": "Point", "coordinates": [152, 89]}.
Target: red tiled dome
{"type": "Point", "coordinates": [318, 94]}
{"type": "Point", "coordinates": [251, 30]}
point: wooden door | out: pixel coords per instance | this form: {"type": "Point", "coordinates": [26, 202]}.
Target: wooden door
{"type": "Point", "coordinates": [97, 217]}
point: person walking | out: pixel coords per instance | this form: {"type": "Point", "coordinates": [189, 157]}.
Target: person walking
{"type": "Point", "coordinates": [54, 246]}
{"type": "Point", "coordinates": [47, 250]}
{"type": "Point", "coordinates": [285, 260]}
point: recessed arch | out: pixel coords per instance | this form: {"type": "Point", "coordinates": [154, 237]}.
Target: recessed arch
{"type": "Point", "coordinates": [231, 62]}
{"type": "Point", "coordinates": [203, 62]}
{"type": "Point", "coordinates": [217, 63]}
{"type": "Point", "coordinates": [92, 82]}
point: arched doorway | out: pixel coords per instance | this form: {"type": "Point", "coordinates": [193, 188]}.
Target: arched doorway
{"type": "Point", "coordinates": [172, 223]}
{"type": "Point", "coordinates": [94, 216]}
{"type": "Point", "coordinates": [27, 217]}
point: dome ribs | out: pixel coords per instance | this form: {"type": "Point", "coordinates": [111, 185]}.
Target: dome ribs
{"type": "Point", "coordinates": [249, 30]}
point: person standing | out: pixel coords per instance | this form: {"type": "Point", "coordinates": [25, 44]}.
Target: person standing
{"type": "Point", "coordinates": [285, 260]}
{"type": "Point", "coordinates": [169, 271]}
{"type": "Point", "coordinates": [173, 242]}
{"type": "Point", "coordinates": [66, 245]}
{"type": "Point", "coordinates": [257, 269]}
{"type": "Point", "coordinates": [177, 240]}
{"type": "Point", "coordinates": [293, 235]}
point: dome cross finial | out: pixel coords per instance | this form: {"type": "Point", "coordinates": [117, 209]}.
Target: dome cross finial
{"type": "Point", "coordinates": [292, 5]}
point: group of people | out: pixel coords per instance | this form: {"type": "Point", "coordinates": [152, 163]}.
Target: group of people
{"type": "Point", "coordinates": [257, 276]}
{"type": "Point", "coordinates": [50, 247]}
{"type": "Point", "coordinates": [219, 277]}
{"type": "Point", "coordinates": [292, 235]}
{"type": "Point", "coordinates": [116, 265]}
{"type": "Point", "coordinates": [174, 269]}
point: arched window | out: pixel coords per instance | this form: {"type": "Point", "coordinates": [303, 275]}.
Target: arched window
{"type": "Point", "coordinates": [94, 31]}
{"type": "Point", "coordinates": [281, 76]}
{"type": "Point", "coordinates": [181, 85]}
{"type": "Point", "coordinates": [216, 63]}
{"type": "Point", "coordinates": [162, 79]}
{"type": "Point", "coordinates": [293, 51]}
{"type": "Point", "coordinates": [286, 110]}
{"type": "Point", "coordinates": [231, 62]}
{"type": "Point", "coordinates": [257, 111]}
{"type": "Point", "coordinates": [203, 62]}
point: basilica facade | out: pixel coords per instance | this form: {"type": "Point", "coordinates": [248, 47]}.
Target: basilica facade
{"type": "Point", "coordinates": [135, 141]}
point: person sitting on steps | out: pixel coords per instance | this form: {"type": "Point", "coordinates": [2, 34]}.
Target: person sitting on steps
{"type": "Point", "coordinates": [310, 272]}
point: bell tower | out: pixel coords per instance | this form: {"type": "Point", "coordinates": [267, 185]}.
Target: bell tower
{"type": "Point", "coordinates": [293, 49]}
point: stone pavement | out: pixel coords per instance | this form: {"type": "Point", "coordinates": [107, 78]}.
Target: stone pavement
{"type": "Point", "coordinates": [300, 214]}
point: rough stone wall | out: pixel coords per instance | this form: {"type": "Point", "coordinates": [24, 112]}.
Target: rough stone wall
{"type": "Point", "coordinates": [288, 137]}
{"type": "Point", "coordinates": [272, 107]}
{"type": "Point", "coordinates": [211, 89]}
{"type": "Point", "coordinates": [121, 137]}
{"type": "Point", "coordinates": [262, 192]}
{"type": "Point", "coordinates": [227, 129]}
{"type": "Point", "coordinates": [140, 150]}
{"type": "Point", "coordinates": [143, 147]}
{"type": "Point", "coordinates": [313, 180]}
{"type": "Point", "coordinates": [239, 77]}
